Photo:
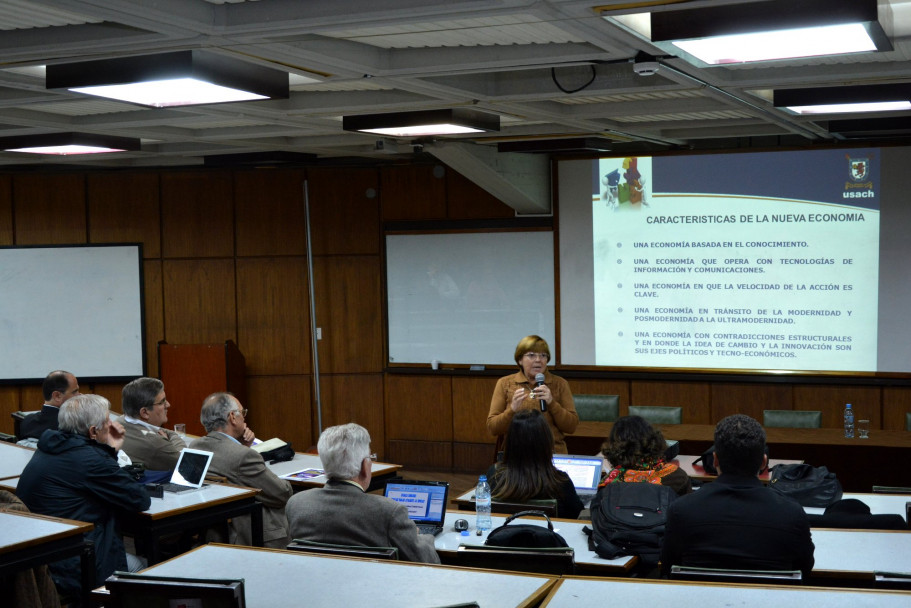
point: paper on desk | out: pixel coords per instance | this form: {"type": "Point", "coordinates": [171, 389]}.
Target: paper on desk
{"type": "Point", "coordinates": [304, 475]}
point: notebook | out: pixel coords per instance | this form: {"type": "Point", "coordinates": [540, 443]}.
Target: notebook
{"type": "Point", "coordinates": [190, 471]}
{"type": "Point", "coordinates": [584, 471]}
{"type": "Point", "coordinates": [425, 500]}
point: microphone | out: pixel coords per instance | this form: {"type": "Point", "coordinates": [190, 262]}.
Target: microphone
{"type": "Point", "coordinates": [539, 381]}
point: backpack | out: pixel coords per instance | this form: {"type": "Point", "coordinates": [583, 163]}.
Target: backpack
{"type": "Point", "coordinates": [808, 485]}
{"type": "Point", "coordinates": [529, 536]}
{"type": "Point", "coordinates": [629, 518]}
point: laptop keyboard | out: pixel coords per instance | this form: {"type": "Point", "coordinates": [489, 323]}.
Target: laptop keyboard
{"type": "Point", "coordinates": [175, 487]}
{"type": "Point", "coordinates": [429, 529]}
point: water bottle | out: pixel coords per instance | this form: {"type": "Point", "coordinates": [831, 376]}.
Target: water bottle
{"type": "Point", "coordinates": [849, 422]}
{"type": "Point", "coordinates": [482, 504]}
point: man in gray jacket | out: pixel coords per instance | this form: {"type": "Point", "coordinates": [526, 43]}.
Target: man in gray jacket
{"type": "Point", "coordinates": [342, 512]}
{"type": "Point", "coordinates": [229, 439]}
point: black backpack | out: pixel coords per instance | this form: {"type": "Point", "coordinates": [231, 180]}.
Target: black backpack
{"type": "Point", "coordinates": [628, 518]}
{"type": "Point", "coordinates": [527, 536]}
{"type": "Point", "coordinates": [808, 485]}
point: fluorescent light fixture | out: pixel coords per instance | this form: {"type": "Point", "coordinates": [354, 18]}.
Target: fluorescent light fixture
{"type": "Point", "coordinates": [767, 31]}
{"type": "Point", "coordinates": [559, 145]}
{"type": "Point", "coordinates": [845, 100]}
{"type": "Point", "coordinates": [423, 123]}
{"type": "Point", "coordinates": [180, 78]}
{"type": "Point", "coordinates": [64, 144]}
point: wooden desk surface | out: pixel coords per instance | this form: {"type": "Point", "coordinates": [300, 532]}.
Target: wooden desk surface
{"type": "Point", "coordinates": [13, 459]}
{"type": "Point", "coordinates": [696, 471]}
{"type": "Point", "coordinates": [303, 461]}
{"type": "Point", "coordinates": [21, 530]}
{"type": "Point", "coordinates": [275, 578]}
{"type": "Point", "coordinates": [571, 530]}
{"type": "Point", "coordinates": [572, 592]}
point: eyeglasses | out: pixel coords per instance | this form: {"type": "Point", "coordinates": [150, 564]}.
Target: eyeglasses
{"type": "Point", "coordinates": [536, 356]}
{"type": "Point", "coordinates": [162, 402]}
{"type": "Point", "coordinates": [242, 412]}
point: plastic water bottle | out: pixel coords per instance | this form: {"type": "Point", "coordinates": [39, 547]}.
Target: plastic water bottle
{"type": "Point", "coordinates": [849, 422]}
{"type": "Point", "coordinates": [482, 504]}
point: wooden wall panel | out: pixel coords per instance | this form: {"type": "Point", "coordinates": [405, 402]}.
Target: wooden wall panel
{"type": "Point", "coordinates": [749, 399]}
{"type": "Point", "coordinates": [472, 457]}
{"type": "Point", "coordinates": [831, 400]}
{"type": "Point", "coordinates": [197, 214]}
{"type": "Point", "coordinates": [344, 219]}
{"type": "Point", "coordinates": [6, 210]}
{"type": "Point", "coordinates": [349, 312]}
{"type": "Point", "coordinates": [9, 403]}
{"type": "Point", "coordinates": [896, 403]}
{"type": "Point", "coordinates": [470, 405]}
{"type": "Point", "coordinates": [114, 394]}
{"type": "Point", "coordinates": [421, 454]}
{"type": "Point", "coordinates": [281, 406]}
{"type": "Point", "coordinates": [465, 200]}
{"type": "Point", "coordinates": [694, 397]}
{"type": "Point", "coordinates": [413, 192]}
{"type": "Point", "coordinates": [124, 208]}
{"type": "Point", "coordinates": [273, 315]}
{"type": "Point", "coordinates": [49, 209]}
{"type": "Point", "coordinates": [31, 397]}
{"type": "Point", "coordinates": [270, 212]}
{"type": "Point", "coordinates": [419, 408]}
{"type": "Point", "coordinates": [153, 297]}
{"type": "Point", "coordinates": [353, 398]}
{"type": "Point", "coordinates": [199, 298]}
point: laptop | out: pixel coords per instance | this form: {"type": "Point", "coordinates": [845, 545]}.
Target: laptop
{"type": "Point", "coordinates": [584, 471]}
{"type": "Point", "coordinates": [425, 500]}
{"type": "Point", "coordinates": [190, 471]}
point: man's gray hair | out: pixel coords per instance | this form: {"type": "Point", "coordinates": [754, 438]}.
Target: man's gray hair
{"type": "Point", "coordinates": [80, 413]}
{"type": "Point", "coordinates": [342, 449]}
{"type": "Point", "coordinates": [215, 411]}
{"type": "Point", "coordinates": [140, 393]}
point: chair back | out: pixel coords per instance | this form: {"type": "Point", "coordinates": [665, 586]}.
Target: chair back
{"type": "Point", "coordinates": [309, 546]}
{"type": "Point", "coordinates": [658, 414]}
{"type": "Point", "coordinates": [599, 408]}
{"type": "Point", "coordinates": [554, 561]}
{"type": "Point", "coordinates": [792, 419]}
{"type": "Point", "coordinates": [18, 417]}
{"type": "Point", "coordinates": [546, 505]}
{"type": "Point", "coordinates": [892, 580]}
{"type": "Point", "coordinates": [908, 421]}
{"type": "Point", "coordinates": [726, 575]}
{"type": "Point", "coordinates": [891, 490]}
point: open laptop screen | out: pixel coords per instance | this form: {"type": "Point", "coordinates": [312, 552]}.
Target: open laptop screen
{"type": "Point", "coordinates": [425, 501]}
{"type": "Point", "coordinates": [191, 468]}
{"type": "Point", "coordinates": [584, 471]}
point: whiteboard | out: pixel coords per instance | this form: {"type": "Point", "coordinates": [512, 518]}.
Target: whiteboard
{"type": "Point", "coordinates": [75, 308]}
{"type": "Point", "coordinates": [468, 298]}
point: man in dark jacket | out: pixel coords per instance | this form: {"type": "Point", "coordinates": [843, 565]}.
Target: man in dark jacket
{"type": "Point", "coordinates": [75, 475]}
{"type": "Point", "coordinates": [735, 521]}
{"type": "Point", "coordinates": [57, 387]}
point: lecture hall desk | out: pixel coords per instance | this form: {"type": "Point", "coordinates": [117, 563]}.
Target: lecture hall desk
{"type": "Point", "coordinates": [858, 463]}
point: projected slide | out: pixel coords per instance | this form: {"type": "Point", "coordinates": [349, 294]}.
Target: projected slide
{"type": "Point", "coordinates": [747, 261]}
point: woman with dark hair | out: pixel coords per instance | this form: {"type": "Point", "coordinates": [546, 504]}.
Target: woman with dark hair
{"type": "Point", "coordinates": [520, 391]}
{"type": "Point", "coordinates": [635, 451]}
{"type": "Point", "coordinates": [527, 470]}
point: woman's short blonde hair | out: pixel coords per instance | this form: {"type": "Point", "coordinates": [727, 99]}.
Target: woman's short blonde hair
{"type": "Point", "coordinates": [531, 344]}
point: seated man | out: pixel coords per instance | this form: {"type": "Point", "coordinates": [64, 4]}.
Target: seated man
{"type": "Point", "coordinates": [735, 521]}
{"type": "Point", "coordinates": [57, 387]}
{"type": "Point", "coordinates": [75, 475]}
{"type": "Point", "coordinates": [229, 438]}
{"type": "Point", "coordinates": [343, 513]}
{"type": "Point", "coordinates": [145, 409]}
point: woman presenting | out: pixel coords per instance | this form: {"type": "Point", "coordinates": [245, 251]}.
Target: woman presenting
{"type": "Point", "coordinates": [519, 391]}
